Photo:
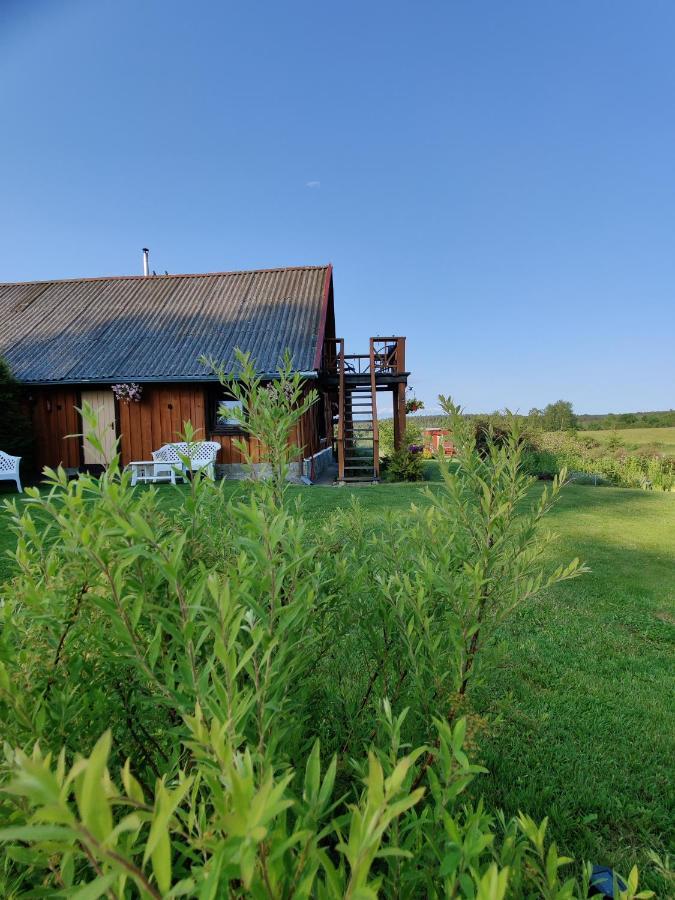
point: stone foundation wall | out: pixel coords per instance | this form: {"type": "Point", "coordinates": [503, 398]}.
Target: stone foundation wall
{"type": "Point", "coordinates": [314, 465]}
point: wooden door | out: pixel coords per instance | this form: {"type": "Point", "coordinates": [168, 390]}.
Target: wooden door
{"type": "Point", "coordinates": [104, 404]}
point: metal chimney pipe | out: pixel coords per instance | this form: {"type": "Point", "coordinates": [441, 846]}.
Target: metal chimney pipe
{"type": "Point", "coordinates": [146, 262]}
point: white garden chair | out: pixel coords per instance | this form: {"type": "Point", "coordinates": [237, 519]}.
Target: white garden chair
{"type": "Point", "coordinates": [9, 469]}
{"type": "Point", "coordinates": [202, 455]}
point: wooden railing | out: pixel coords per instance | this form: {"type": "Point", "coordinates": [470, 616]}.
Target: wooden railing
{"type": "Point", "coordinates": [387, 357]}
{"type": "Point", "coordinates": [389, 354]}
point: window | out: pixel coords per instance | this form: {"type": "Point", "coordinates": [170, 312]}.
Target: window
{"type": "Point", "coordinates": [228, 412]}
{"type": "Point", "coordinates": [227, 416]}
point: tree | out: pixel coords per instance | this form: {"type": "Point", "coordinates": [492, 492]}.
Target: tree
{"type": "Point", "coordinates": [535, 418]}
{"type": "Point", "coordinates": [559, 416]}
{"type": "Point", "coordinates": [15, 426]}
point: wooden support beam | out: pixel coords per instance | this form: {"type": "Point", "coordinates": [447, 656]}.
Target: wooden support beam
{"type": "Point", "coordinates": [399, 416]}
{"type": "Point", "coordinates": [376, 427]}
{"type": "Point", "coordinates": [341, 411]}
{"type": "Point", "coordinates": [399, 397]}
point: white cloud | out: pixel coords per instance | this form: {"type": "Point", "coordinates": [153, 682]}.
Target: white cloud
{"type": "Point", "coordinates": [313, 184]}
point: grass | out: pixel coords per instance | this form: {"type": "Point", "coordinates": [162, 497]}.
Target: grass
{"type": "Point", "coordinates": [578, 696]}
{"type": "Point", "coordinates": [635, 438]}
{"type": "Point", "coordinates": [582, 686]}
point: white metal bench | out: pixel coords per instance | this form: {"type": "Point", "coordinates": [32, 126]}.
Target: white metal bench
{"type": "Point", "coordinates": [9, 469]}
{"type": "Point", "coordinates": [202, 455]}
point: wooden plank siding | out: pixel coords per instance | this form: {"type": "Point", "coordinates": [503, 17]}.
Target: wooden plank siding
{"type": "Point", "coordinates": [55, 419]}
{"type": "Point", "coordinates": [157, 419]}
{"type": "Point", "coordinates": [305, 435]}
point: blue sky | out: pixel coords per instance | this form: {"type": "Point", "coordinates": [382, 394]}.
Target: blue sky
{"type": "Point", "coordinates": [494, 180]}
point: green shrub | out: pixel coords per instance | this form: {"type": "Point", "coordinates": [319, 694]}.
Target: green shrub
{"type": "Point", "coordinates": [541, 464]}
{"type": "Point", "coordinates": [552, 452]}
{"type": "Point", "coordinates": [403, 465]}
{"type": "Point", "coordinates": [614, 442]}
{"type": "Point", "coordinates": [226, 703]}
{"type": "Point", "coordinates": [413, 435]}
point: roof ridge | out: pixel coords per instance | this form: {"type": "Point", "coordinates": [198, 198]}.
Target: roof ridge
{"type": "Point", "coordinates": [172, 275]}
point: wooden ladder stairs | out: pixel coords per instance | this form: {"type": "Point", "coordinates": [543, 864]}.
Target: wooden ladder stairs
{"type": "Point", "coordinates": [357, 426]}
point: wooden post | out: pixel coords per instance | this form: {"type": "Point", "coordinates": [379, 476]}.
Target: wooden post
{"type": "Point", "coordinates": [341, 412]}
{"type": "Point", "coordinates": [376, 427]}
{"type": "Point", "coordinates": [399, 397]}
{"type": "Point", "coordinates": [399, 416]}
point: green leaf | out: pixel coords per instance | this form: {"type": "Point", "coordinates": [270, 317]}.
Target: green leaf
{"type": "Point", "coordinates": [94, 889]}
{"type": "Point", "coordinates": [34, 833]}
{"type": "Point", "coordinates": [328, 783]}
{"type": "Point", "coordinates": [92, 802]}
{"type": "Point", "coordinates": [450, 862]}
{"type": "Point", "coordinates": [184, 888]}
{"type": "Point", "coordinates": [4, 678]}
{"type": "Point", "coordinates": [213, 867]}
{"type": "Point", "coordinates": [458, 735]}
{"type": "Point", "coordinates": [131, 786]}
{"type": "Point", "coordinates": [312, 774]}
{"type": "Point", "coordinates": [633, 880]}
{"type": "Point", "coordinates": [161, 861]}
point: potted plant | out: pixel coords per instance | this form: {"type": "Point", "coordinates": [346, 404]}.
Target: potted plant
{"type": "Point", "coordinates": [128, 393]}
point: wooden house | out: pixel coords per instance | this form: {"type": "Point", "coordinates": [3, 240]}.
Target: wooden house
{"type": "Point", "coordinates": [70, 341]}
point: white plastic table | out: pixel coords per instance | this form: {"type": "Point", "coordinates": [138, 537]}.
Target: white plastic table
{"type": "Point", "coordinates": [149, 471]}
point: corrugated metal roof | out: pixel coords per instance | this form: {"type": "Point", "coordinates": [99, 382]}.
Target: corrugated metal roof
{"type": "Point", "coordinates": [156, 328]}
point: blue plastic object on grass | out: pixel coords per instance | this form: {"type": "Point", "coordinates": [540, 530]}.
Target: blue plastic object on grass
{"type": "Point", "coordinates": [602, 882]}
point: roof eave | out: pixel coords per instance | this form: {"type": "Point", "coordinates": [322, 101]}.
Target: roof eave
{"type": "Point", "coordinates": [153, 379]}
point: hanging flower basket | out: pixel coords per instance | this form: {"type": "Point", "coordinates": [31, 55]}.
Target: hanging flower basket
{"type": "Point", "coordinates": [412, 404]}
{"type": "Point", "coordinates": [128, 393]}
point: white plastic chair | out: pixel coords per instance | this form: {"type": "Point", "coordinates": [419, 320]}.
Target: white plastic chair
{"type": "Point", "coordinates": [9, 469]}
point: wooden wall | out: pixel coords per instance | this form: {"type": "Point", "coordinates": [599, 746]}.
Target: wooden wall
{"type": "Point", "coordinates": [54, 418]}
{"type": "Point", "coordinates": [305, 435]}
{"type": "Point", "coordinates": [314, 425]}
{"type": "Point", "coordinates": [159, 419]}
{"type": "Point", "coordinates": [156, 420]}
{"type": "Point", "coordinates": [230, 452]}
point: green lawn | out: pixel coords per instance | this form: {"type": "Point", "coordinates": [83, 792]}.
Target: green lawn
{"type": "Point", "coordinates": [634, 438]}
{"type": "Point", "coordinates": [579, 696]}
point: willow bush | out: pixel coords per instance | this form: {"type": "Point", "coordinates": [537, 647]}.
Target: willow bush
{"type": "Point", "coordinates": [224, 702]}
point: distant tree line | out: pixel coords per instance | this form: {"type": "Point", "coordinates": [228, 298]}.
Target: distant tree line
{"type": "Point", "coordinates": [560, 416]}
{"type": "Point", "coordinates": [663, 419]}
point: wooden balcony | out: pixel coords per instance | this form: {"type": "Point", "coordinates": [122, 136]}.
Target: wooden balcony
{"type": "Point", "coordinates": [386, 358]}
